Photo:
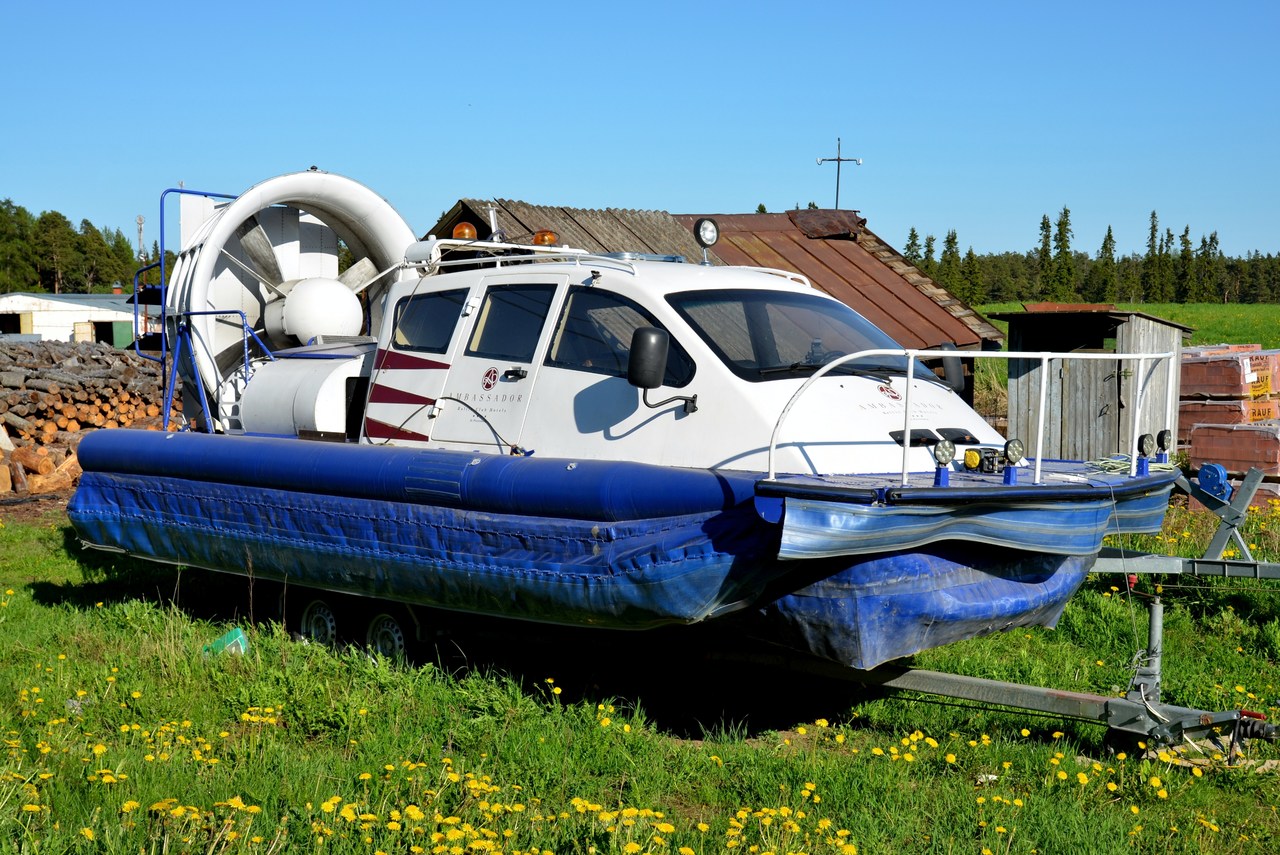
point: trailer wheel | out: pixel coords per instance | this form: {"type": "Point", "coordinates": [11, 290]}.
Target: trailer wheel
{"type": "Point", "coordinates": [318, 623]}
{"type": "Point", "coordinates": [386, 636]}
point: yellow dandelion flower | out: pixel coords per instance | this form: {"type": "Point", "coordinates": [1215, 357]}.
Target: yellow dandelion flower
{"type": "Point", "coordinates": [951, 758]}
{"type": "Point", "coordinates": [1162, 793]}
{"type": "Point", "coordinates": [1062, 775]}
{"type": "Point", "coordinates": [1155, 782]}
{"type": "Point", "coordinates": [86, 833]}
{"type": "Point", "coordinates": [1133, 809]}
{"type": "Point", "coordinates": [1082, 778]}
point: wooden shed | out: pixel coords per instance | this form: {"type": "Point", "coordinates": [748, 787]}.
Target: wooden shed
{"type": "Point", "coordinates": [1090, 404]}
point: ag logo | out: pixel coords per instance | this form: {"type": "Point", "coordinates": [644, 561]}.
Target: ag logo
{"type": "Point", "coordinates": [888, 391]}
{"type": "Point", "coordinates": [490, 379]}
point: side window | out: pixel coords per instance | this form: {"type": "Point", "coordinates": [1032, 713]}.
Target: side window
{"type": "Point", "coordinates": [426, 322]}
{"type": "Point", "coordinates": [510, 322]}
{"type": "Point", "coordinates": [594, 334]}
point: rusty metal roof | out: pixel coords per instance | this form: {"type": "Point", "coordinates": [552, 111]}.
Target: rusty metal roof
{"type": "Point", "coordinates": [833, 248]}
{"type": "Point", "coordinates": [844, 258]}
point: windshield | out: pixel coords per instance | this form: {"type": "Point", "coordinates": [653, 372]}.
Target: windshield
{"type": "Point", "coordinates": [763, 335]}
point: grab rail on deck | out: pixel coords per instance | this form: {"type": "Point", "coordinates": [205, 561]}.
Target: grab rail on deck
{"type": "Point", "coordinates": [1044, 357]}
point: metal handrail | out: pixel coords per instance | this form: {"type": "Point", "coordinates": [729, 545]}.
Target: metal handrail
{"type": "Point", "coordinates": [184, 331]}
{"type": "Point", "coordinates": [1044, 357]}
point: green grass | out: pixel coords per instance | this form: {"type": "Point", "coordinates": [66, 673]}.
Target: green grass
{"type": "Point", "coordinates": [122, 737]}
{"type": "Point", "coordinates": [1212, 323]}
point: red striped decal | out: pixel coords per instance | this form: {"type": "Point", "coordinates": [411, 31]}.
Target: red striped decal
{"type": "Point", "coordinates": [396, 359]}
{"type": "Point", "coordinates": [380, 394]}
{"type": "Point", "coordinates": [375, 429]}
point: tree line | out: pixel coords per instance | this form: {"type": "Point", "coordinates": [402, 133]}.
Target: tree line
{"type": "Point", "coordinates": [47, 253]}
{"type": "Point", "coordinates": [1172, 270]}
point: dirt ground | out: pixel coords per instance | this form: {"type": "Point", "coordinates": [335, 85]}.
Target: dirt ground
{"type": "Point", "coordinates": [29, 509]}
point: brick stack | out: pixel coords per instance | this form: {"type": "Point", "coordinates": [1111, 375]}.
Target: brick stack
{"type": "Point", "coordinates": [1229, 412]}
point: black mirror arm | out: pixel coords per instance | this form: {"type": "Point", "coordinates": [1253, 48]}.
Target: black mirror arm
{"type": "Point", "coordinates": [690, 402]}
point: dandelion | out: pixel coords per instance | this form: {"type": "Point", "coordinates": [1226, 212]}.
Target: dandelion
{"type": "Point", "coordinates": [1062, 776]}
{"type": "Point", "coordinates": [1082, 778]}
{"type": "Point", "coordinates": [950, 758]}
{"type": "Point", "coordinates": [86, 833]}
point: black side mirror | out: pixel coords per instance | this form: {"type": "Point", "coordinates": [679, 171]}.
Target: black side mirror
{"type": "Point", "coordinates": [647, 363]}
{"type": "Point", "coordinates": [647, 366]}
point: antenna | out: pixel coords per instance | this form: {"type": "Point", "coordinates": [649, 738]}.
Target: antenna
{"type": "Point", "coordinates": [142, 254]}
{"type": "Point", "coordinates": [856, 161]}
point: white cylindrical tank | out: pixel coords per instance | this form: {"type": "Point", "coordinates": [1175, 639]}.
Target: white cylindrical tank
{"type": "Point", "coordinates": [288, 396]}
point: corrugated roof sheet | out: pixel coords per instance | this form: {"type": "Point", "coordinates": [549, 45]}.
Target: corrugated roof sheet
{"type": "Point", "coordinates": [113, 302]}
{"type": "Point", "coordinates": [592, 229]}
{"type": "Point", "coordinates": [833, 248]}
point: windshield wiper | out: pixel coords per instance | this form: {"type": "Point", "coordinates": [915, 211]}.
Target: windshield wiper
{"type": "Point", "coordinates": [794, 367]}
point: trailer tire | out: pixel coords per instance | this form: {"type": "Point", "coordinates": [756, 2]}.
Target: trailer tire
{"type": "Point", "coordinates": [386, 635]}
{"type": "Point", "coordinates": [318, 623]}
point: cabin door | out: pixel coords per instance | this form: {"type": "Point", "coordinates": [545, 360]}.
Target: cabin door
{"type": "Point", "coordinates": [487, 392]}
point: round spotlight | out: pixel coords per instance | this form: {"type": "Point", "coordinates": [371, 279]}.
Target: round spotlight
{"type": "Point", "coordinates": [1014, 451]}
{"type": "Point", "coordinates": [1146, 444]}
{"type": "Point", "coordinates": [972, 459]}
{"type": "Point", "coordinates": [706, 232]}
{"type": "Point", "coordinates": [1164, 440]}
{"type": "Point", "coordinates": [944, 451]}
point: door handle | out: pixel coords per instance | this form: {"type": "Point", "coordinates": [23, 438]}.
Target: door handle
{"type": "Point", "coordinates": [515, 374]}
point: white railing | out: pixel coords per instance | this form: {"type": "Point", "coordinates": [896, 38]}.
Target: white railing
{"type": "Point", "coordinates": [1044, 357]}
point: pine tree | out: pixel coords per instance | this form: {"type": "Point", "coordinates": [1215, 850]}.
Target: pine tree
{"type": "Point", "coordinates": [1184, 271]}
{"type": "Point", "coordinates": [911, 252]}
{"type": "Point", "coordinates": [1063, 276]}
{"type": "Point", "coordinates": [1102, 283]}
{"type": "Point", "coordinates": [1151, 262]}
{"type": "Point", "coordinates": [974, 287]}
{"type": "Point", "coordinates": [948, 274]}
{"type": "Point", "coordinates": [928, 265]}
{"type": "Point", "coordinates": [1044, 258]}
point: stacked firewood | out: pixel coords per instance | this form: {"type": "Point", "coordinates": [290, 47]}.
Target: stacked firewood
{"type": "Point", "coordinates": [53, 391]}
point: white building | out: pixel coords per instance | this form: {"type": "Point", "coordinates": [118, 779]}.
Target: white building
{"type": "Point", "coordinates": [107, 318]}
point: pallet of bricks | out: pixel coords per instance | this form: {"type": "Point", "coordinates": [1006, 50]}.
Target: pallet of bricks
{"type": "Point", "coordinates": [1229, 411]}
{"type": "Point", "coordinates": [52, 392]}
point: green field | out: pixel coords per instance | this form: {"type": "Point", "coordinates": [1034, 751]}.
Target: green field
{"type": "Point", "coordinates": [1212, 323]}
{"type": "Point", "coordinates": [121, 736]}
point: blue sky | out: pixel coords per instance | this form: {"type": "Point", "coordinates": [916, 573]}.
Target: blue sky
{"type": "Point", "coordinates": [978, 117]}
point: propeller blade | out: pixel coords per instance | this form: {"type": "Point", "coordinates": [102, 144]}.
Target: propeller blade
{"type": "Point", "coordinates": [355, 275]}
{"type": "Point", "coordinates": [257, 246]}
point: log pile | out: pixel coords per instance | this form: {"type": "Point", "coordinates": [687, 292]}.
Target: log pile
{"type": "Point", "coordinates": [51, 392]}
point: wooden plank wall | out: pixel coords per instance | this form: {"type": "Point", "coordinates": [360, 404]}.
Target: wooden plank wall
{"type": "Point", "coordinates": [1091, 403]}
